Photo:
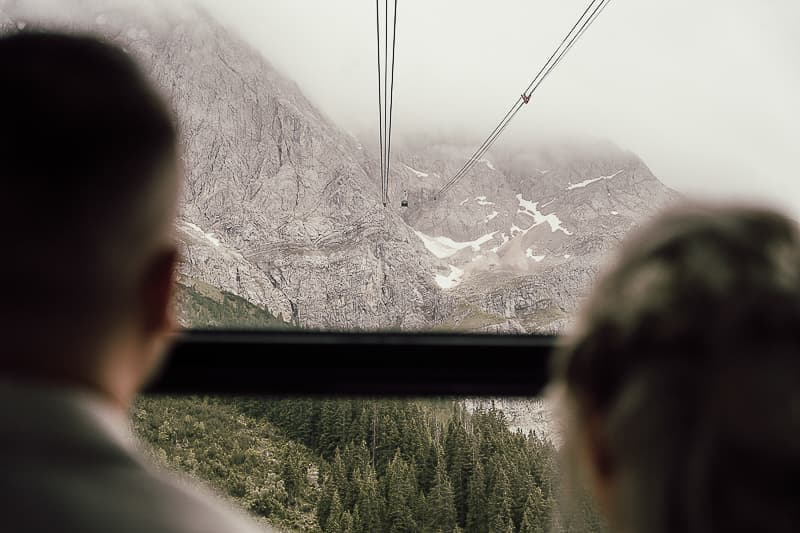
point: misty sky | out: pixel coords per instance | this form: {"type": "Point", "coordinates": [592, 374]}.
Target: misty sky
{"type": "Point", "coordinates": [706, 92]}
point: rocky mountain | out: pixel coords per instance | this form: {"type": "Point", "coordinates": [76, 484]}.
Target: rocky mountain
{"type": "Point", "coordinates": [521, 237]}
{"type": "Point", "coordinates": [282, 207]}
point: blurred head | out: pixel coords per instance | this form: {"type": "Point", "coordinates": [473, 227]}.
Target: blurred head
{"type": "Point", "coordinates": [90, 180]}
{"type": "Point", "coordinates": [683, 375]}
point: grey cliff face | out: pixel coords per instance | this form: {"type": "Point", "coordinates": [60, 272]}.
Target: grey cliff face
{"type": "Point", "coordinates": [521, 238]}
{"type": "Point", "coordinates": [283, 208]}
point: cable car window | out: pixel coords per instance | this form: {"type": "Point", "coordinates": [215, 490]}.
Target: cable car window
{"type": "Point", "coordinates": [369, 465]}
{"type": "Point", "coordinates": [348, 169]}
{"type": "Point", "coordinates": [429, 167]}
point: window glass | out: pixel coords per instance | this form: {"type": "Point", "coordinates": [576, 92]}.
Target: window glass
{"type": "Point", "coordinates": [283, 222]}
{"type": "Point", "coordinates": [282, 218]}
{"type": "Point", "coordinates": [360, 465]}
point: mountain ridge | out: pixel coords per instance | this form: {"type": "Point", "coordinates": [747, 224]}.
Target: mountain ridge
{"type": "Point", "coordinates": [282, 208]}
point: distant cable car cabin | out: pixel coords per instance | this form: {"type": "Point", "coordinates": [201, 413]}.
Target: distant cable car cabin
{"type": "Point", "coordinates": [404, 201]}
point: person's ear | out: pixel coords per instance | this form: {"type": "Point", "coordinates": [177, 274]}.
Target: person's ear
{"type": "Point", "coordinates": [158, 293]}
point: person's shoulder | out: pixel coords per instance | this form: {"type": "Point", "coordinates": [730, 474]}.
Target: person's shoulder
{"type": "Point", "coordinates": [94, 491]}
{"type": "Point", "coordinates": [71, 463]}
{"type": "Point", "coordinates": [124, 497]}
{"type": "Point", "coordinates": [175, 504]}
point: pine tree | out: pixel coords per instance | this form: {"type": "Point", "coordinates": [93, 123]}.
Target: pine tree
{"type": "Point", "coordinates": [324, 503]}
{"type": "Point", "coordinates": [401, 493]}
{"type": "Point", "coordinates": [334, 522]}
{"type": "Point", "coordinates": [535, 517]}
{"type": "Point", "coordinates": [367, 516]}
{"type": "Point", "coordinates": [458, 452]}
{"type": "Point", "coordinates": [361, 456]}
{"type": "Point", "coordinates": [520, 481]}
{"type": "Point", "coordinates": [387, 439]}
{"type": "Point", "coordinates": [304, 421]}
{"type": "Point", "coordinates": [499, 507]}
{"type": "Point", "coordinates": [441, 505]}
{"type": "Point", "coordinates": [340, 479]}
{"type": "Point", "coordinates": [477, 517]}
{"type": "Point", "coordinates": [347, 522]}
{"type": "Point", "coordinates": [427, 470]}
{"type": "Point", "coordinates": [333, 426]}
{"type": "Point", "coordinates": [293, 474]}
{"type": "Point", "coordinates": [420, 506]}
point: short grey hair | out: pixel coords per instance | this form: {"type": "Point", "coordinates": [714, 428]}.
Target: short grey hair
{"type": "Point", "coordinates": [688, 351]}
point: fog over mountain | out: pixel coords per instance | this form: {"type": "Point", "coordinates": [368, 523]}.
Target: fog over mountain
{"type": "Point", "coordinates": [702, 91]}
{"type": "Point", "coordinates": [282, 204]}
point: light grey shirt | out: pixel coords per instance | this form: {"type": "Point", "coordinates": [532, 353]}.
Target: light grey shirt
{"type": "Point", "coordinates": [70, 463]}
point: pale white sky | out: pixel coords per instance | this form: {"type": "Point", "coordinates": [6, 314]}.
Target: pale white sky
{"type": "Point", "coordinates": [706, 92]}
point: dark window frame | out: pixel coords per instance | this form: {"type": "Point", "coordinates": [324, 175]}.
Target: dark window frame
{"type": "Point", "coordinates": [291, 363]}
